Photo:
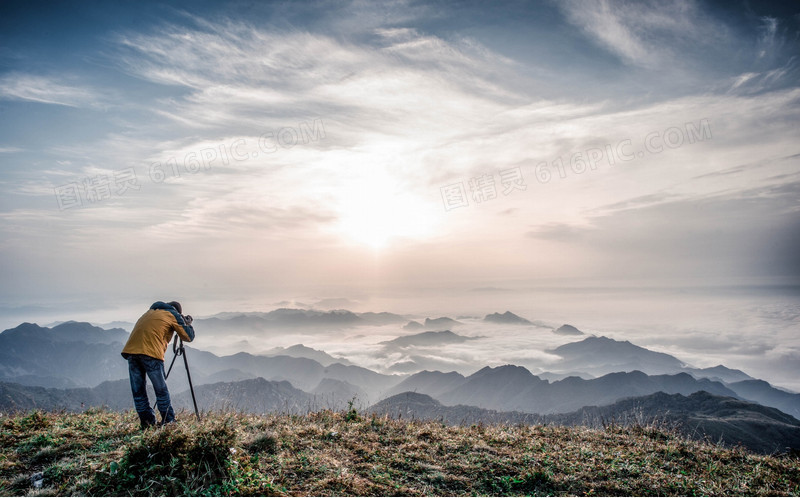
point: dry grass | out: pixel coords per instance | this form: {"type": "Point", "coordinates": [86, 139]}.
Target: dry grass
{"type": "Point", "coordinates": [331, 453]}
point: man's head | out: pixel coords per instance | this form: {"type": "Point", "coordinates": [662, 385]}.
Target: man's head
{"type": "Point", "coordinates": [176, 305]}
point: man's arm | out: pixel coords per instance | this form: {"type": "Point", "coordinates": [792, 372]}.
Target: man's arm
{"type": "Point", "coordinates": [183, 326]}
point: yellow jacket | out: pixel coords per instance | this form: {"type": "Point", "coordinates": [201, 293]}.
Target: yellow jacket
{"type": "Point", "coordinates": [153, 331]}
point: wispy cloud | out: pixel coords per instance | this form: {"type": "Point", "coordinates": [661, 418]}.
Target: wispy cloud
{"type": "Point", "coordinates": [390, 104]}
{"type": "Point", "coordinates": [757, 82]}
{"type": "Point", "coordinates": [45, 90]}
{"type": "Point", "coordinates": [640, 33]}
{"type": "Point", "coordinates": [419, 110]}
{"type": "Point", "coordinates": [767, 38]}
{"type": "Point", "coordinates": [240, 75]}
{"type": "Point", "coordinates": [742, 79]}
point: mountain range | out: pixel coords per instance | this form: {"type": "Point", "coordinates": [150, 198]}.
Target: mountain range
{"type": "Point", "coordinates": [75, 365]}
{"type": "Point", "coordinates": [700, 415]}
{"type": "Point", "coordinates": [281, 319]}
{"type": "Point", "coordinates": [597, 355]}
{"type": "Point", "coordinates": [514, 388]}
{"type": "Point", "coordinates": [81, 355]}
{"type": "Point", "coordinates": [426, 339]}
{"type": "Point", "coordinates": [71, 354]}
{"type": "Point", "coordinates": [249, 395]}
{"type": "Point", "coordinates": [301, 351]}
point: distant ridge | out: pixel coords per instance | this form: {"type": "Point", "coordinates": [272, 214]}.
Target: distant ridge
{"type": "Point", "coordinates": [71, 354]}
{"type": "Point", "coordinates": [514, 388]}
{"type": "Point", "coordinates": [433, 383]}
{"type": "Point", "coordinates": [567, 329]}
{"type": "Point", "coordinates": [700, 415]}
{"type": "Point", "coordinates": [507, 318]}
{"type": "Point", "coordinates": [410, 406]}
{"type": "Point", "coordinates": [427, 339]}
{"type": "Point", "coordinates": [762, 392]}
{"type": "Point", "coordinates": [250, 395]}
{"type": "Point", "coordinates": [413, 325]}
{"type": "Point", "coordinates": [600, 355]}
{"type": "Point", "coordinates": [720, 373]}
{"type": "Point", "coordinates": [301, 351]}
{"type": "Point", "coordinates": [441, 323]}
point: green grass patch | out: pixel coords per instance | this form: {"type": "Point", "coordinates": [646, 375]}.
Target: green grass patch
{"type": "Point", "coordinates": [102, 453]}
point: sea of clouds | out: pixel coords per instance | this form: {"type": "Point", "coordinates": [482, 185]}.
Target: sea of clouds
{"type": "Point", "coordinates": [752, 329]}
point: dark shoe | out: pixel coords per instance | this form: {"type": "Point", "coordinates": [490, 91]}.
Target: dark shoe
{"type": "Point", "coordinates": [147, 420]}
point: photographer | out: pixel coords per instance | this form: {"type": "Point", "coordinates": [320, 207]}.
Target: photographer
{"type": "Point", "coordinates": [145, 354]}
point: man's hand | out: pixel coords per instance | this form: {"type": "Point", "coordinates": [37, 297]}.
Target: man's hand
{"type": "Point", "coordinates": [188, 319]}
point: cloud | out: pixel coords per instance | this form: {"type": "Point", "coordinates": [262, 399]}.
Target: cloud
{"type": "Point", "coordinates": [757, 82]}
{"type": "Point", "coordinates": [645, 34]}
{"type": "Point", "coordinates": [45, 90]}
{"type": "Point", "coordinates": [390, 103]}
{"type": "Point", "coordinates": [767, 36]}
{"type": "Point", "coordinates": [445, 132]}
{"type": "Point", "coordinates": [241, 217]}
{"type": "Point", "coordinates": [241, 76]}
{"type": "Point", "coordinates": [413, 100]}
{"type": "Point", "coordinates": [742, 79]}
{"type": "Point", "coordinates": [714, 235]}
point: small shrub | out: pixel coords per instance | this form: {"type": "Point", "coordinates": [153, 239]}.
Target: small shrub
{"type": "Point", "coordinates": [178, 459]}
{"type": "Point", "coordinates": [352, 413]}
{"type": "Point", "coordinates": [265, 443]}
{"type": "Point", "coordinates": [37, 420]}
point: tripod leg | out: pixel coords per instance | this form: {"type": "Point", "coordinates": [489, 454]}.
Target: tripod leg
{"type": "Point", "coordinates": [191, 387]}
{"type": "Point", "coordinates": [170, 366]}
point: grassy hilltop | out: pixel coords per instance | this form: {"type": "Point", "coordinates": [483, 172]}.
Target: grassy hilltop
{"type": "Point", "coordinates": [331, 453]}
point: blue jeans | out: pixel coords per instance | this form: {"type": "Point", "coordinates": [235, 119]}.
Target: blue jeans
{"type": "Point", "coordinates": [139, 366]}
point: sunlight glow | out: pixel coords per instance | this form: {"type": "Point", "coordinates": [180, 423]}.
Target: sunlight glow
{"type": "Point", "coordinates": [374, 211]}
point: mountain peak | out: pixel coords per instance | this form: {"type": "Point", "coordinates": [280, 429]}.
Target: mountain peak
{"type": "Point", "coordinates": [302, 351]}
{"type": "Point", "coordinates": [600, 354]}
{"type": "Point", "coordinates": [413, 397]}
{"type": "Point", "coordinates": [406, 403]}
{"type": "Point", "coordinates": [506, 318]}
{"type": "Point", "coordinates": [503, 371]}
{"type": "Point", "coordinates": [427, 339]}
{"type": "Point", "coordinates": [26, 326]}
{"type": "Point", "coordinates": [70, 331]}
{"type": "Point", "coordinates": [567, 329]}
{"type": "Point", "coordinates": [441, 322]}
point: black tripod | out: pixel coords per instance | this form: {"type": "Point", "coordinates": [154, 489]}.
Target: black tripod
{"type": "Point", "coordinates": [177, 349]}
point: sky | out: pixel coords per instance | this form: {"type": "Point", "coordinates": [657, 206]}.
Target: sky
{"type": "Point", "coordinates": [230, 155]}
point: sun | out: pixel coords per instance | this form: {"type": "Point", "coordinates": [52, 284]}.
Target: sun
{"type": "Point", "coordinates": [374, 212]}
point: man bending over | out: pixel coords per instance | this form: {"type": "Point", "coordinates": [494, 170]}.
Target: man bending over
{"type": "Point", "coordinates": [145, 354]}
